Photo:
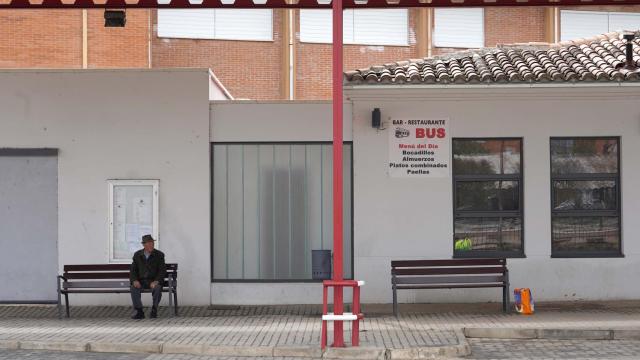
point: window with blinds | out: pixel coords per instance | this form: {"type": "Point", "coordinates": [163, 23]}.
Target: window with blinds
{"type": "Point", "coordinates": [222, 24]}
{"type": "Point", "coordinates": [459, 28]}
{"type": "Point", "coordinates": [585, 24]}
{"type": "Point", "coordinates": [362, 26]}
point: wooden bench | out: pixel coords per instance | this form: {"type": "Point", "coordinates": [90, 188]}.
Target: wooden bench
{"type": "Point", "coordinates": [108, 279]}
{"type": "Point", "coordinates": [449, 274]}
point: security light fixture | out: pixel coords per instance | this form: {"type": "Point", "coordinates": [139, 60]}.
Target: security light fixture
{"type": "Point", "coordinates": [375, 118]}
{"type": "Point", "coordinates": [115, 18]}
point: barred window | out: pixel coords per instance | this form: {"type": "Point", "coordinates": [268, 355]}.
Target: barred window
{"type": "Point", "coordinates": [488, 192]}
{"type": "Point", "coordinates": [585, 192]}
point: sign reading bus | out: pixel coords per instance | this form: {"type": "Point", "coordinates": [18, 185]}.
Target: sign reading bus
{"type": "Point", "coordinates": [419, 148]}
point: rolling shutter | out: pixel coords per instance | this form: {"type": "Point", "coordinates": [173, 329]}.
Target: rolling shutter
{"type": "Point", "coordinates": [188, 24]}
{"type": "Point", "coordinates": [582, 24]}
{"type": "Point", "coordinates": [244, 24]}
{"type": "Point", "coordinates": [226, 24]}
{"type": "Point", "coordinates": [459, 28]}
{"type": "Point", "coordinates": [366, 27]}
{"type": "Point", "coordinates": [624, 21]}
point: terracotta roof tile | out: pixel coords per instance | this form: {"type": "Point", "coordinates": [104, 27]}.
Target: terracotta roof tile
{"type": "Point", "coordinates": [600, 58]}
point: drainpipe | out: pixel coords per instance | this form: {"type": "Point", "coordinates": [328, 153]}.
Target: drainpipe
{"type": "Point", "coordinates": [85, 42]}
{"type": "Point", "coordinates": [292, 26]}
{"type": "Point", "coordinates": [150, 37]}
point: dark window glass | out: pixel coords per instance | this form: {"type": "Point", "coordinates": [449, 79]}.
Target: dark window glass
{"type": "Point", "coordinates": [488, 234]}
{"type": "Point", "coordinates": [585, 192]}
{"type": "Point", "coordinates": [585, 195]}
{"type": "Point", "coordinates": [487, 195]}
{"type": "Point", "coordinates": [483, 157]}
{"type": "Point", "coordinates": [487, 175]}
{"type": "Point", "coordinates": [586, 233]}
{"type": "Point", "coordinates": [584, 156]}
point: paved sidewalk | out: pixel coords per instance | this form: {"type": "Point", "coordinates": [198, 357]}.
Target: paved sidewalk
{"type": "Point", "coordinates": [289, 330]}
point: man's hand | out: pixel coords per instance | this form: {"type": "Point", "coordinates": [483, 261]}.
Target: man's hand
{"type": "Point", "coordinates": [136, 284]}
{"type": "Point", "coordinates": [153, 284]}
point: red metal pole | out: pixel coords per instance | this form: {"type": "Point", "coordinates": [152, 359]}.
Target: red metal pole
{"type": "Point", "coordinates": [338, 306]}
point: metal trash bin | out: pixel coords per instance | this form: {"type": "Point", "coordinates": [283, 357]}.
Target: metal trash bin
{"type": "Point", "coordinates": [321, 264]}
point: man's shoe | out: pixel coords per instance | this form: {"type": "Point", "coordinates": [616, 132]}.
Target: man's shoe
{"type": "Point", "coordinates": [154, 313]}
{"type": "Point", "coordinates": [139, 315]}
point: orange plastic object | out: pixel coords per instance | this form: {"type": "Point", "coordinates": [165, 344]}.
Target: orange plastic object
{"type": "Point", "coordinates": [524, 301]}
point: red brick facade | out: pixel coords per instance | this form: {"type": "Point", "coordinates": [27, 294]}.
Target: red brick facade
{"type": "Point", "coordinates": [249, 69]}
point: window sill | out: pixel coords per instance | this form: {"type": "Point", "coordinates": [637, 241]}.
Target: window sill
{"type": "Point", "coordinates": [586, 256]}
{"type": "Point", "coordinates": [487, 254]}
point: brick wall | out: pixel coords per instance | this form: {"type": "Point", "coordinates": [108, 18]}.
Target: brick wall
{"type": "Point", "coordinates": [41, 39]}
{"type": "Point", "coordinates": [116, 47]}
{"type": "Point", "coordinates": [509, 25]}
{"type": "Point", "coordinates": [248, 69]}
{"type": "Point", "coordinates": [53, 39]}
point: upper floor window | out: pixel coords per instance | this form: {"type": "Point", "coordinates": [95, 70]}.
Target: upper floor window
{"type": "Point", "coordinates": [459, 28]}
{"type": "Point", "coordinates": [487, 192]}
{"type": "Point", "coordinates": [585, 193]}
{"type": "Point", "coordinates": [585, 24]}
{"type": "Point", "coordinates": [222, 24]}
{"type": "Point", "coordinates": [361, 26]}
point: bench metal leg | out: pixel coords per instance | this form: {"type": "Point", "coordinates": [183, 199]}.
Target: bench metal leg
{"type": "Point", "coordinates": [66, 302]}
{"type": "Point", "coordinates": [506, 296]}
{"type": "Point", "coordinates": [59, 307]}
{"type": "Point", "coordinates": [170, 294]}
{"type": "Point", "coordinates": [395, 302]}
{"type": "Point", "coordinates": [175, 301]}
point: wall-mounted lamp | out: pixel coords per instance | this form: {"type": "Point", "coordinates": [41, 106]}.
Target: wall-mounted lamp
{"type": "Point", "coordinates": [115, 18]}
{"type": "Point", "coordinates": [376, 121]}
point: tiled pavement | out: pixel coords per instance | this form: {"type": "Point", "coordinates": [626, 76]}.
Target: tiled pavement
{"type": "Point", "coordinates": [484, 349]}
{"type": "Point", "coordinates": [299, 326]}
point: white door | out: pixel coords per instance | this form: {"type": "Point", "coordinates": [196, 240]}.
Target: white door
{"type": "Point", "coordinates": [28, 225]}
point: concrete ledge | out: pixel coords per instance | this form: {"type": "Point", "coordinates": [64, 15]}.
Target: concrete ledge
{"type": "Point", "coordinates": [9, 344]}
{"type": "Point", "coordinates": [125, 347]}
{"type": "Point", "coordinates": [568, 334]}
{"type": "Point", "coordinates": [626, 334]}
{"type": "Point", "coordinates": [297, 352]}
{"type": "Point", "coordinates": [53, 345]}
{"type": "Point", "coordinates": [461, 349]}
{"type": "Point", "coordinates": [501, 333]}
{"type": "Point", "coordinates": [182, 349]}
{"type": "Point", "coordinates": [553, 334]}
{"type": "Point", "coordinates": [256, 351]}
{"type": "Point", "coordinates": [355, 353]}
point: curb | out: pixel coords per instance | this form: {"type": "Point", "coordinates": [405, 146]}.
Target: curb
{"type": "Point", "coordinates": [461, 349]}
{"type": "Point", "coordinates": [552, 334]}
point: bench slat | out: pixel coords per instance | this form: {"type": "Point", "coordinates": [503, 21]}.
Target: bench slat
{"type": "Point", "coordinates": [448, 280]}
{"type": "Point", "coordinates": [448, 262]}
{"type": "Point", "coordinates": [106, 291]}
{"type": "Point", "coordinates": [109, 267]}
{"type": "Point", "coordinates": [459, 286]}
{"type": "Point", "coordinates": [96, 284]}
{"type": "Point", "coordinates": [447, 271]}
{"type": "Point", "coordinates": [97, 275]}
{"type": "Point", "coordinates": [103, 275]}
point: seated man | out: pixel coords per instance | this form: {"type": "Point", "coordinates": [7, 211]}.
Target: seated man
{"type": "Point", "coordinates": [148, 271]}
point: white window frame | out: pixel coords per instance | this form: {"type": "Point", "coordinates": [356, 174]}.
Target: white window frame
{"type": "Point", "coordinates": [443, 44]}
{"type": "Point", "coordinates": [349, 16]}
{"type": "Point", "coordinates": [112, 184]}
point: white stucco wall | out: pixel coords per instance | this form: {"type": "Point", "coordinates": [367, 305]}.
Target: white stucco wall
{"type": "Point", "coordinates": [119, 124]}
{"type": "Point", "coordinates": [396, 218]}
